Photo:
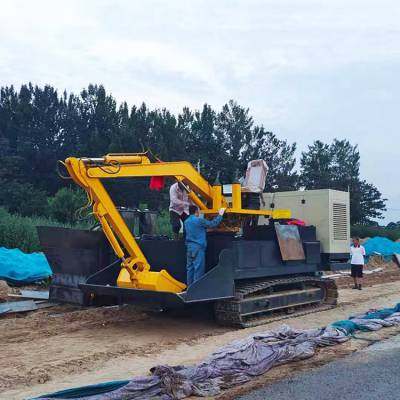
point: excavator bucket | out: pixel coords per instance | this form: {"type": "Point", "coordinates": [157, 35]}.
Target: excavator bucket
{"type": "Point", "coordinates": [160, 281]}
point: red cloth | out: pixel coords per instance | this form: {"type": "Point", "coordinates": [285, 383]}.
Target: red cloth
{"type": "Point", "coordinates": [157, 182]}
{"type": "Point", "coordinates": [296, 222]}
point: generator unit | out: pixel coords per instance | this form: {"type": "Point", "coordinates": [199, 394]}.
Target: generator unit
{"type": "Point", "coordinates": [326, 209]}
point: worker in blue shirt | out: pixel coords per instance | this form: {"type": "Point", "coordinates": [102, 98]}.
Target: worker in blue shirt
{"type": "Point", "coordinates": [196, 242]}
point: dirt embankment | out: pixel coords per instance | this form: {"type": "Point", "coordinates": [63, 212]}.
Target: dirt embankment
{"type": "Point", "coordinates": [65, 341]}
{"type": "Point", "coordinates": [62, 347]}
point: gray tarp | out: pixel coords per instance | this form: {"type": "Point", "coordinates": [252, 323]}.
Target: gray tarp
{"type": "Point", "coordinates": [239, 361]}
{"type": "Point", "coordinates": [233, 364]}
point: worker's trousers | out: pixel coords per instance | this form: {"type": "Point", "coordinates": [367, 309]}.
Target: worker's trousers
{"type": "Point", "coordinates": [195, 263]}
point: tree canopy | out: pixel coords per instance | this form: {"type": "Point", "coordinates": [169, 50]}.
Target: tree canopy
{"type": "Point", "coordinates": [39, 126]}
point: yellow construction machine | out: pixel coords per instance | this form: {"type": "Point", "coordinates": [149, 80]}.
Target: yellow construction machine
{"type": "Point", "coordinates": [252, 271]}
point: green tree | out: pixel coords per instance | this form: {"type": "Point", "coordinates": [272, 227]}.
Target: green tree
{"type": "Point", "coordinates": [337, 166]}
{"type": "Point", "coordinates": [345, 166]}
{"type": "Point", "coordinates": [234, 134]}
{"type": "Point", "coordinates": [71, 126]}
{"type": "Point", "coordinates": [366, 203]}
{"type": "Point", "coordinates": [202, 147]}
{"type": "Point", "coordinates": [100, 121]}
{"type": "Point", "coordinates": [65, 205]}
{"type": "Point", "coordinates": [122, 139]}
{"type": "Point", "coordinates": [23, 198]}
{"type": "Point", "coordinates": [38, 126]}
{"type": "Point", "coordinates": [316, 166]}
{"type": "Point", "coordinates": [279, 156]}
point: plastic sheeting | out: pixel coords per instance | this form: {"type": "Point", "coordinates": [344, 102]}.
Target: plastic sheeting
{"type": "Point", "coordinates": [87, 391]}
{"type": "Point", "coordinates": [381, 245]}
{"type": "Point", "coordinates": [231, 365]}
{"type": "Point", "coordinates": [17, 267]}
{"type": "Point", "coordinates": [239, 361]}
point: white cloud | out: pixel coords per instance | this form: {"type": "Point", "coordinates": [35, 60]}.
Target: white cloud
{"type": "Point", "coordinates": [158, 57]}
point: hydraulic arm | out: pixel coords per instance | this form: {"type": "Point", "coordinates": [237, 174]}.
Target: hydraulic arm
{"type": "Point", "coordinates": [135, 271]}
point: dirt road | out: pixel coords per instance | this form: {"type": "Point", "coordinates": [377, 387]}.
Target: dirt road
{"type": "Point", "coordinates": [61, 348]}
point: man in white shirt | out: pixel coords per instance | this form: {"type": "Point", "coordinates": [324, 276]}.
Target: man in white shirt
{"type": "Point", "coordinates": [357, 253]}
{"type": "Point", "coordinates": [178, 207]}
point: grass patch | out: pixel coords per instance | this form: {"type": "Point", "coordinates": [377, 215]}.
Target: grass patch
{"type": "Point", "coordinates": [20, 232]}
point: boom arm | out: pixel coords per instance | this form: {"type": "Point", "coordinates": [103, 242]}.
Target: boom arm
{"type": "Point", "coordinates": [135, 272]}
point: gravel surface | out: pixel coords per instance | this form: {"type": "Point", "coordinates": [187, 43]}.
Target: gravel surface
{"type": "Point", "coordinates": [368, 374]}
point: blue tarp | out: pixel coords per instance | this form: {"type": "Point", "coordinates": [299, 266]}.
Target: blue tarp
{"type": "Point", "coordinates": [381, 245]}
{"type": "Point", "coordinates": [17, 267]}
{"type": "Point", "coordinates": [86, 391]}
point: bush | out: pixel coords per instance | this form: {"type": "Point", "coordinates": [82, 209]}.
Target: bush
{"type": "Point", "coordinates": [23, 198]}
{"type": "Point", "coordinates": [18, 231]}
{"type": "Point", "coordinates": [64, 206]}
{"type": "Point", "coordinates": [370, 231]}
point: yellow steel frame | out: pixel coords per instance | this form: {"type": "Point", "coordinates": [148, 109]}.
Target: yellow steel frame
{"type": "Point", "coordinates": [135, 271]}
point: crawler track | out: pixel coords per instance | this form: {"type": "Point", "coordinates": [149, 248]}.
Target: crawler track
{"type": "Point", "coordinates": [262, 301]}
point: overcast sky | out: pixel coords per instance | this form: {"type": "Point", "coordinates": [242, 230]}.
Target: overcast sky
{"type": "Point", "coordinates": [306, 69]}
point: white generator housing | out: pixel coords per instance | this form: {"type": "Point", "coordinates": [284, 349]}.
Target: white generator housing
{"type": "Point", "coordinates": [328, 210]}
